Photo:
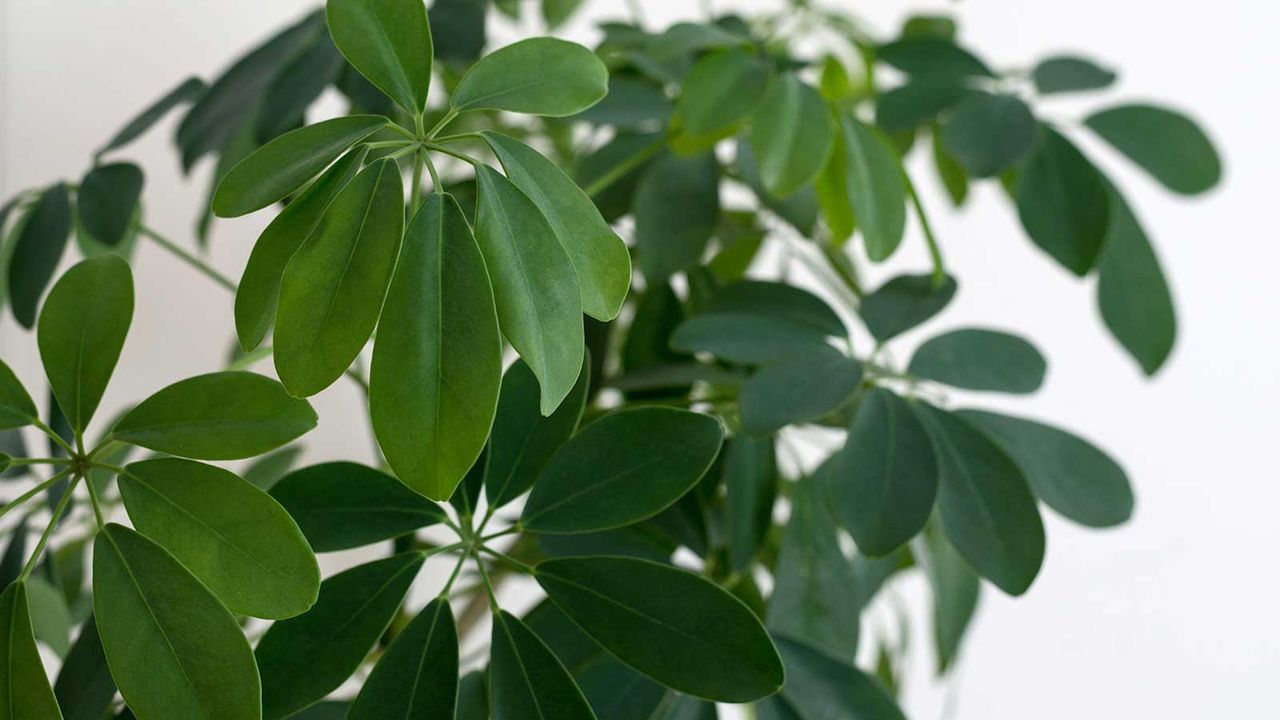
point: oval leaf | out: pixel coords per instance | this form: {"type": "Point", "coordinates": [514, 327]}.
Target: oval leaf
{"type": "Point", "coordinates": [219, 416]}
{"type": "Point", "coordinates": [801, 387]}
{"type": "Point", "coordinates": [1066, 73]}
{"type": "Point", "coordinates": [186, 91]}
{"type": "Point", "coordinates": [903, 303]}
{"type": "Point", "coordinates": [989, 133]}
{"type": "Point", "coordinates": [1133, 294]}
{"type": "Point", "coordinates": [955, 588]}
{"type": "Point", "coordinates": [418, 675]}
{"type": "Point", "coordinates": [790, 136]}
{"type": "Point", "coordinates": [674, 626]}
{"type": "Point", "coordinates": [106, 201]}
{"type": "Point", "coordinates": [526, 680]}
{"type": "Point", "coordinates": [42, 236]}
{"type": "Point", "coordinates": [622, 469]}
{"type": "Point", "coordinates": [234, 537]}
{"type": "Point", "coordinates": [17, 409]}
{"type": "Point", "coordinates": [389, 42]}
{"type": "Point", "coordinates": [721, 89]}
{"type": "Point", "coordinates": [24, 688]}
{"type": "Point", "coordinates": [1167, 144]}
{"type": "Point", "coordinates": [173, 649]}
{"type": "Point", "coordinates": [863, 178]}
{"type": "Point", "coordinates": [538, 76]}
{"type": "Point", "coordinates": [820, 686]}
{"type": "Point", "coordinates": [976, 359]}
{"type": "Point", "coordinates": [677, 206]}
{"type": "Point", "coordinates": [1062, 202]}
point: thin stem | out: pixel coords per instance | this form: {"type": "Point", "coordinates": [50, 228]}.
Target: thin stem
{"type": "Point", "coordinates": [404, 131]}
{"type": "Point", "coordinates": [448, 118]}
{"type": "Point", "coordinates": [16, 462]}
{"type": "Point", "coordinates": [935, 253]}
{"type": "Point", "coordinates": [435, 176]}
{"type": "Point", "coordinates": [457, 569]}
{"type": "Point", "coordinates": [113, 468]}
{"type": "Point", "coordinates": [203, 267]}
{"type": "Point", "coordinates": [616, 173]}
{"type": "Point", "coordinates": [513, 529]}
{"type": "Point", "coordinates": [453, 153]}
{"type": "Point", "coordinates": [55, 437]}
{"type": "Point", "coordinates": [488, 585]}
{"type": "Point", "coordinates": [388, 144]}
{"type": "Point", "coordinates": [97, 506]}
{"type": "Point", "coordinates": [503, 557]}
{"type": "Point", "coordinates": [415, 196]}
{"type": "Point", "coordinates": [33, 492]}
{"type": "Point", "coordinates": [48, 531]}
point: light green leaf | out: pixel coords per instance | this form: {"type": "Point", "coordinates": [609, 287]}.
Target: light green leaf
{"type": "Point", "coordinates": [17, 409]}
{"type": "Point", "coordinates": [24, 688]}
{"type": "Point", "coordinates": [389, 42]}
{"type": "Point", "coordinates": [904, 302]}
{"type": "Point", "coordinates": [302, 659]}
{"type": "Point", "coordinates": [804, 386]}
{"type": "Point", "coordinates": [1165, 143]}
{"type": "Point", "coordinates": [332, 290]}
{"type": "Point", "coordinates": [1133, 294]}
{"type": "Point", "coordinates": [107, 200]}
{"type": "Point", "coordinates": [283, 165]}
{"type": "Point", "coordinates": [863, 180]}
{"type": "Point", "coordinates": [676, 206]}
{"type": "Point", "coordinates": [621, 469]}
{"type": "Point", "coordinates": [790, 136]}
{"type": "Point", "coordinates": [721, 89]}
{"type": "Point", "coordinates": [41, 238]}
{"type": "Point", "coordinates": [1068, 73]}
{"type": "Point", "coordinates": [437, 364]}
{"type": "Point", "coordinates": [526, 680]}
{"type": "Point", "coordinates": [599, 256]}
{"type": "Point", "coordinates": [976, 359]}
{"type": "Point", "coordinates": [418, 675]}
{"type": "Point", "coordinates": [534, 285]}
{"type": "Point", "coordinates": [556, 12]}
{"type": "Point", "coordinates": [342, 505]}
{"type": "Point", "coordinates": [989, 133]}
{"type": "Point", "coordinates": [955, 590]}
{"type": "Point", "coordinates": [538, 76]}
{"type": "Point", "coordinates": [174, 650]}
{"type": "Point", "coordinates": [82, 330]}
{"type": "Point", "coordinates": [819, 686]}
{"type": "Point", "coordinates": [1062, 202]}
{"type": "Point", "coordinates": [219, 416]}
{"type": "Point", "coordinates": [234, 537]}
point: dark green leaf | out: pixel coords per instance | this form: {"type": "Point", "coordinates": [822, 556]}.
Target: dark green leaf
{"type": "Point", "coordinates": [234, 537]}
{"type": "Point", "coordinates": [801, 387]}
{"type": "Point", "coordinates": [633, 103]}
{"type": "Point", "coordinates": [42, 236]}
{"type": "Point", "coordinates": [13, 445]}
{"type": "Point", "coordinates": [24, 689]}
{"type": "Point", "coordinates": [1133, 295]}
{"type": "Point", "coordinates": [917, 103]}
{"type": "Point", "coordinates": [976, 359]}
{"type": "Point", "coordinates": [751, 481]}
{"type": "Point", "coordinates": [1165, 143]}
{"type": "Point", "coordinates": [173, 649]}
{"type": "Point", "coordinates": [989, 133]}
{"type": "Point", "coordinates": [950, 172]}
{"type": "Point", "coordinates": [534, 285]}
{"type": "Point", "coordinates": [82, 330]}
{"type": "Point", "coordinates": [188, 90]}
{"type": "Point", "coordinates": [613, 171]}
{"type": "Point", "coordinates": [85, 688]}
{"type": "Point", "coordinates": [819, 686]}
{"type": "Point", "coordinates": [790, 136]}
{"type": "Point", "coordinates": [538, 76]}
{"type": "Point", "coordinates": [932, 57]}
{"type": "Point", "coordinates": [418, 675]}
{"type": "Point", "coordinates": [690, 635]}
{"type": "Point", "coordinates": [343, 505]}
{"type": "Point", "coordinates": [955, 589]}
{"type": "Point", "coordinates": [676, 208]}
{"type": "Point", "coordinates": [987, 510]}
{"type": "Point", "coordinates": [747, 338]}
{"type": "Point", "coordinates": [50, 616]}
{"type": "Point", "coordinates": [904, 302]}
{"type": "Point", "coordinates": [1070, 475]}
{"type": "Point", "coordinates": [302, 659]}
{"type": "Point", "coordinates": [526, 680]}
{"type": "Point", "coordinates": [473, 697]}
{"type": "Point", "coordinates": [219, 416]}
{"type": "Point", "coordinates": [107, 200]}
{"type": "Point", "coordinates": [389, 42]}
{"type": "Point", "coordinates": [17, 409]}
{"type": "Point", "coordinates": [296, 87]}
{"type": "Point", "coordinates": [863, 178]}
{"type": "Point", "coordinates": [800, 209]}
{"type": "Point", "coordinates": [1068, 73]}
{"type": "Point", "coordinates": [458, 29]}
{"type": "Point", "coordinates": [721, 89]}
{"type": "Point", "coordinates": [15, 554]}
{"type": "Point", "coordinates": [779, 301]}
{"type": "Point", "coordinates": [1062, 202]}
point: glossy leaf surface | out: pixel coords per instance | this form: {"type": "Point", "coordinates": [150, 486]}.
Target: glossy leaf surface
{"type": "Point", "coordinates": [17, 409]}
{"type": "Point", "coordinates": [24, 688]}
{"type": "Point", "coordinates": [526, 680]}
{"type": "Point", "coordinates": [389, 42]}
{"type": "Point", "coordinates": [538, 76]}
{"type": "Point", "coordinates": [41, 239]}
{"type": "Point", "coordinates": [721, 89]}
{"type": "Point", "coordinates": [863, 177]}
{"type": "Point", "coordinates": [418, 675]}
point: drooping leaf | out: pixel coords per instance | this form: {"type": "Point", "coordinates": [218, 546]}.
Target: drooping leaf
{"type": "Point", "coordinates": [802, 387]}
{"type": "Point", "coordinates": [342, 505]}
{"type": "Point", "coordinates": [437, 364]}
{"type": "Point", "coordinates": [691, 636]}
{"type": "Point", "coordinates": [332, 290]}
{"type": "Point", "coordinates": [389, 42]}
{"type": "Point", "coordinates": [219, 416]}
{"type": "Point", "coordinates": [1062, 202]}
{"type": "Point", "coordinates": [107, 200]}
{"type": "Point", "coordinates": [24, 688]}
{"type": "Point", "coordinates": [42, 236]}
{"type": "Point", "coordinates": [17, 409]}
{"type": "Point", "coordinates": [286, 163]}
{"type": "Point", "coordinates": [173, 649]}
{"type": "Point", "coordinates": [904, 302]}
{"type": "Point", "coordinates": [1068, 73]}
{"type": "Point", "coordinates": [621, 469]}
{"type": "Point", "coordinates": [304, 658]}
{"type": "Point", "coordinates": [721, 89]}
{"type": "Point", "coordinates": [987, 510]}
{"type": "Point", "coordinates": [418, 675]}
{"type": "Point", "coordinates": [988, 133]}
{"type": "Point", "coordinates": [977, 359]}
{"type": "Point", "coordinates": [676, 207]}
{"type": "Point", "coordinates": [538, 76]}
{"type": "Point", "coordinates": [790, 136]}
{"type": "Point", "coordinates": [863, 179]}
{"type": "Point", "coordinates": [526, 680]}
{"type": "Point", "coordinates": [15, 554]}
{"type": "Point", "coordinates": [955, 589]}
{"type": "Point", "coordinates": [750, 471]}
{"type": "Point", "coordinates": [534, 285]}
{"type": "Point", "coordinates": [1068, 473]}
{"type": "Point", "coordinates": [232, 536]}
{"type": "Point", "coordinates": [599, 256]}
{"type": "Point", "coordinates": [820, 686]}
{"type": "Point", "coordinates": [82, 330]}
{"type": "Point", "coordinates": [186, 91]}
{"type": "Point", "coordinates": [85, 688]}
{"type": "Point", "coordinates": [1165, 143]}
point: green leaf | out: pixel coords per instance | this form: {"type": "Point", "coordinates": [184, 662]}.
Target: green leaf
{"type": "Point", "coordinates": [1133, 294]}
{"type": "Point", "coordinates": [17, 409]}
{"type": "Point", "coordinates": [283, 165]}
{"type": "Point", "coordinates": [1062, 202]}
{"type": "Point", "coordinates": [458, 29]}
{"type": "Point", "coordinates": [342, 505]}
{"type": "Point", "coordinates": [627, 158]}
{"type": "Point", "coordinates": [751, 483]}
{"type": "Point", "coordinates": [863, 177]}
{"type": "Point", "coordinates": [173, 649]}
{"type": "Point", "coordinates": [258, 294]}
{"type": "Point", "coordinates": [526, 680]}
{"type": "Point", "coordinates": [885, 478]}
{"type": "Point", "coordinates": [790, 136]}
{"type": "Point", "coordinates": [473, 696]}
{"type": "Point", "coordinates": [779, 301]}
{"type": "Point", "coordinates": [556, 12]}
{"type": "Point", "coordinates": [1165, 143]}
{"type": "Point", "coordinates": [989, 133]}
{"type": "Point", "coordinates": [389, 42]}
{"type": "Point", "coordinates": [747, 337]}
{"type": "Point", "coordinates": [50, 616]}
{"type": "Point", "coordinates": [534, 285]}
{"type": "Point", "coordinates": [1068, 73]}
{"type": "Point", "coordinates": [815, 589]}
{"type": "Point", "coordinates": [219, 416]}
{"type": "Point", "coordinates": [599, 256]}
{"type": "Point", "coordinates": [904, 302]}
{"type": "Point", "coordinates": [296, 87]}
{"type": "Point", "coordinates": [523, 440]}
{"type": "Point", "coordinates": [1070, 475]}
{"type": "Point", "coordinates": [976, 359]}
{"type": "Point", "coordinates": [955, 588]}
{"type": "Point", "coordinates": [107, 200]}
{"type": "Point", "coordinates": [987, 510]}
{"type": "Point", "coordinates": [418, 675]}
{"type": "Point", "coordinates": [82, 330]}
{"type": "Point", "coordinates": [932, 57]}
{"type": "Point", "coordinates": [437, 364]}
{"type": "Point", "coordinates": [234, 537]}
{"type": "Point", "coordinates": [819, 686]}
{"type": "Point", "coordinates": [264, 472]}
{"type": "Point", "coordinates": [917, 103]}
{"type": "Point", "coordinates": [186, 91]}
{"type": "Point", "coordinates": [633, 103]}
{"type": "Point", "coordinates": [42, 236]}
{"type": "Point", "coordinates": [24, 688]}
{"type": "Point", "coordinates": [800, 209]}
{"type": "Point", "coordinates": [677, 628]}
{"type": "Point", "coordinates": [677, 205]}
{"type": "Point", "coordinates": [799, 388]}
{"type": "Point", "coordinates": [621, 469]}
{"type": "Point", "coordinates": [332, 290]}
{"type": "Point", "coordinates": [302, 659]}
{"type": "Point", "coordinates": [538, 76]}
{"type": "Point", "coordinates": [950, 172]}
{"type": "Point", "coordinates": [722, 89]}
{"type": "Point", "coordinates": [85, 688]}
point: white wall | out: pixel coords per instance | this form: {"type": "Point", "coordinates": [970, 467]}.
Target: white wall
{"type": "Point", "coordinates": [1171, 616]}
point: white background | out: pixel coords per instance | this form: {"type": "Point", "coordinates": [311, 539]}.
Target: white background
{"type": "Point", "coordinates": [1172, 616]}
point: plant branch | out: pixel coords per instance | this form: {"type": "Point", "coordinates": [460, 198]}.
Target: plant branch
{"type": "Point", "coordinates": [935, 253]}
{"type": "Point", "coordinates": [33, 492]}
{"type": "Point", "coordinates": [48, 531]}
{"type": "Point", "coordinates": [55, 437]}
{"type": "Point", "coordinates": [200, 265]}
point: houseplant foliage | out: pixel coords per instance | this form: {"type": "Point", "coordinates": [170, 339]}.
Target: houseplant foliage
{"type": "Point", "coordinates": [473, 202]}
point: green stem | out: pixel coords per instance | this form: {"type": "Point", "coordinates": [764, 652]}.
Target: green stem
{"type": "Point", "coordinates": [33, 492]}
{"type": "Point", "coordinates": [488, 585]}
{"type": "Point", "coordinates": [457, 569]}
{"type": "Point", "coordinates": [48, 531]}
{"type": "Point", "coordinates": [204, 268]}
{"type": "Point", "coordinates": [935, 253]}
{"type": "Point", "coordinates": [97, 506]}
{"type": "Point", "coordinates": [452, 153]}
{"type": "Point", "coordinates": [55, 437]}
{"type": "Point", "coordinates": [619, 171]}
{"type": "Point", "coordinates": [435, 176]}
{"type": "Point", "coordinates": [503, 557]}
{"type": "Point", "coordinates": [415, 196]}
{"type": "Point", "coordinates": [405, 131]}
{"type": "Point", "coordinates": [16, 462]}
{"type": "Point", "coordinates": [448, 118]}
